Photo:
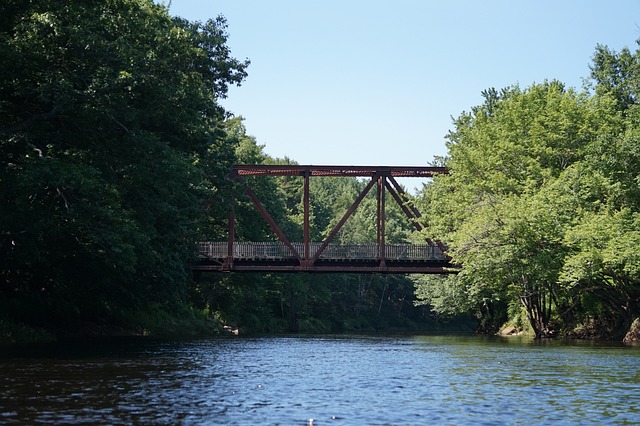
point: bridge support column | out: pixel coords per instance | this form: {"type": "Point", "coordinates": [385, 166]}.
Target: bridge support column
{"type": "Point", "coordinates": [381, 221]}
{"type": "Point", "coordinates": [228, 263]}
{"type": "Point", "coordinates": [306, 257]}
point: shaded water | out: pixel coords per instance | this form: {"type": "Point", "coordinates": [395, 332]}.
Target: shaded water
{"type": "Point", "coordinates": [343, 380]}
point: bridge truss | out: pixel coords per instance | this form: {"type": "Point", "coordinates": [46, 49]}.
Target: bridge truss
{"type": "Point", "coordinates": [306, 256]}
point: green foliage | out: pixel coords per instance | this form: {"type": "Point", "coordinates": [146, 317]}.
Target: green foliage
{"type": "Point", "coordinates": [540, 206]}
{"type": "Point", "coordinates": [114, 155]}
{"type": "Point", "coordinates": [111, 143]}
{"type": "Point", "coordinates": [167, 320]}
{"type": "Point", "coordinates": [12, 333]}
{"type": "Point", "coordinates": [615, 75]}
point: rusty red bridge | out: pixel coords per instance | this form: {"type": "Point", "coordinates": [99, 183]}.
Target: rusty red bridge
{"type": "Point", "coordinates": [322, 257]}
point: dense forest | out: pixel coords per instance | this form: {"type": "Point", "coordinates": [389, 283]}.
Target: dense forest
{"type": "Point", "coordinates": [115, 152]}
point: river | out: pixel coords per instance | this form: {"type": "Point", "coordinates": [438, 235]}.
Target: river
{"type": "Point", "coordinates": [321, 380]}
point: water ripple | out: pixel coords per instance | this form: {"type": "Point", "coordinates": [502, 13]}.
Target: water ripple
{"type": "Point", "coordinates": [325, 381]}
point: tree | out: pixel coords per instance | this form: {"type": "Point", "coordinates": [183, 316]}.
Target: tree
{"type": "Point", "coordinates": [492, 210]}
{"type": "Point", "coordinates": [111, 143]}
{"type": "Point", "coordinates": [616, 74]}
{"type": "Point", "coordinates": [541, 203]}
{"type": "Point", "coordinates": [601, 267]}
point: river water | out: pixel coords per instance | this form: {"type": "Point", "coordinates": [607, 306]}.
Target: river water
{"type": "Point", "coordinates": [326, 380]}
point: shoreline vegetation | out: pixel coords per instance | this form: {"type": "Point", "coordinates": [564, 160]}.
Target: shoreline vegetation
{"type": "Point", "coordinates": [22, 334]}
{"type": "Point", "coordinates": [115, 152]}
{"type": "Point", "coordinates": [202, 326]}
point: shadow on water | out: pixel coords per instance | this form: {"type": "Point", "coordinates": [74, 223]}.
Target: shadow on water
{"type": "Point", "coordinates": [144, 346]}
{"type": "Point", "coordinates": [104, 347]}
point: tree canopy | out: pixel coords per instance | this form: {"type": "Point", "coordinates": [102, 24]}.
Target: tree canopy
{"type": "Point", "coordinates": [540, 206]}
{"type": "Point", "coordinates": [112, 143]}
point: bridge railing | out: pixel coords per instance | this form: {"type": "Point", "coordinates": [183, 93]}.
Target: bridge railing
{"type": "Point", "coordinates": [279, 251]}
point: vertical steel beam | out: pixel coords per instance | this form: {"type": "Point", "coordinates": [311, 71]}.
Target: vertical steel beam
{"type": "Point", "coordinates": [306, 256]}
{"type": "Point", "coordinates": [228, 264]}
{"type": "Point", "coordinates": [382, 221]}
{"type": "Point", "coordinates": [378, 215]}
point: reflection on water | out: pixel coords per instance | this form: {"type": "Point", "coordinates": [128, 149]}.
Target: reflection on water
{"type": "Point", "coordinates": [335, 380]}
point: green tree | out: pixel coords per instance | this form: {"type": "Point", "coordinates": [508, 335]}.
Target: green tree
{"type": "Point", "coordinates": [492, 211]}
{"type": "Point", "coordinates": [111, 143]}
{"type": "Point", "coordinates": [616, 74]}
{"type": "Point", "coordinates": [601, 268]}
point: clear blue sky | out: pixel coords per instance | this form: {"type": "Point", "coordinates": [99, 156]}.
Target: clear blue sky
{"type": "Point", "coordinates": [377, 82]}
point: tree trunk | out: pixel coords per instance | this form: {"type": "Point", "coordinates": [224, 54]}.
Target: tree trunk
{"type": "Point", "coordinates": [537, 315]}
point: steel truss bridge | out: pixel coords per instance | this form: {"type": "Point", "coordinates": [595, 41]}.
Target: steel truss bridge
{"type": "Point", "coordinates": [325, 256]}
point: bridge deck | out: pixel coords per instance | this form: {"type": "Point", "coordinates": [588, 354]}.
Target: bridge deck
{"type": "Point", "coordinates": [276, 256]}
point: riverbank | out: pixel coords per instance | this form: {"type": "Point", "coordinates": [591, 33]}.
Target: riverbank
{"type": "Point", "coordinates": [590, 330]}
{"type": "Point", "coordinates": [190, 323]}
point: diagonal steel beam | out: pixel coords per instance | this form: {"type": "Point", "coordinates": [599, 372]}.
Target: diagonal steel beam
{"type": "Point", "coordinates": [265, 214]}
{"type": "Point", "coordinates": [344, 218]}
{"type": "Point", "coordinates": [416, 213]}
{"type": "Point", "coordinates": [405, 204]}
